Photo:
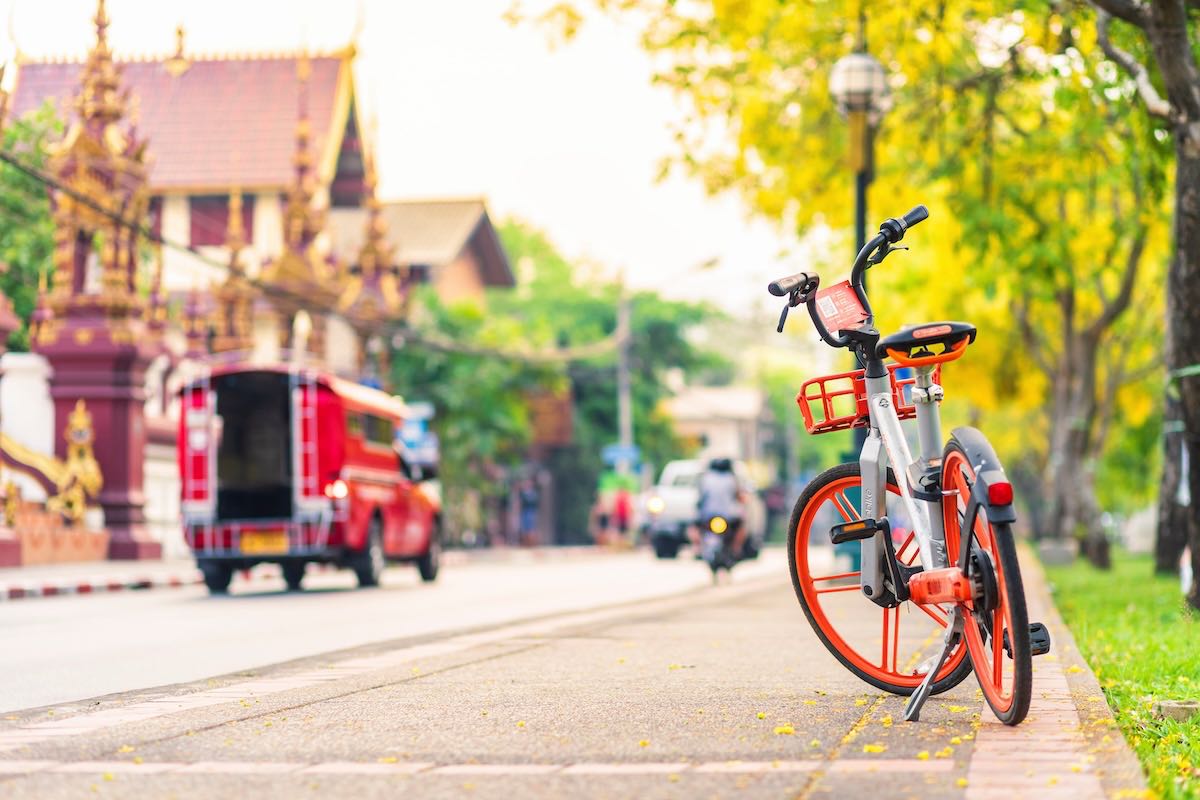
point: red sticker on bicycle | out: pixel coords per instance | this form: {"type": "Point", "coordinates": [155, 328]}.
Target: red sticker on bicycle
{"type": "Point", "coordinates": [839, 308]}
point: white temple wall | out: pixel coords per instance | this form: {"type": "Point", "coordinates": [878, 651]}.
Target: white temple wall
{"type": "Point", "coordinates": [26, 411]}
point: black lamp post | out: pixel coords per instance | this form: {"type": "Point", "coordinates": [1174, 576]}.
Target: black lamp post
{"type": "Point", "coordinates": [859, 88]}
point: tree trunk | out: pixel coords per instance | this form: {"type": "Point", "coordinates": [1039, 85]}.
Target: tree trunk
{"type": "Point", "coordinates": [1183, 301]}
{"type": "Point", "coordinates": [1171, 538]}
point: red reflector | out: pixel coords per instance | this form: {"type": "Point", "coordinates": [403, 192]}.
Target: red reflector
{"type": "Point", "coordinates": [1000, 494]}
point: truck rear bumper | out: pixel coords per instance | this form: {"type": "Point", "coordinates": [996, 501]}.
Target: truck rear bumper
{"type": "Point", "coordinates": [265, 540]}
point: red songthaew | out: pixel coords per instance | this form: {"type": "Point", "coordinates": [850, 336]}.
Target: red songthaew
{"type": "Point", "coordinates": [291, 466]}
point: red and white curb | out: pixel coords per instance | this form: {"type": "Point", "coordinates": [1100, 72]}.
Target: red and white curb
{"type": "Point", "coordinates": [383, 768]}
{"type": "Point", "coordinates": [55, 588]}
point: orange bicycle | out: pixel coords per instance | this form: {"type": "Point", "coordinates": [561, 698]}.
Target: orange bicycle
{"type": "Point", "coordinates": [938, 558]}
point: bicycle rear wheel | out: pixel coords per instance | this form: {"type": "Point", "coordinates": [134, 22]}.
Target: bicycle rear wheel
{"type": "Point", "coordinates": [864, 637]}
{"type": "Point", "coordinates": [998, 639]}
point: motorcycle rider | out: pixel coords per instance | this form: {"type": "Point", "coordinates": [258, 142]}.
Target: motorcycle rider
{"type": "Point", "coordinates": [721, 495]}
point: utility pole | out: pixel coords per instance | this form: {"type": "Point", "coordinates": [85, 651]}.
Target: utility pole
{"type": "Point", "coordinates": [624, 400]}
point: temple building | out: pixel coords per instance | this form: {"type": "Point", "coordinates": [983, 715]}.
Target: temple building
{"type": "Point", "coordinates": [255, 180]}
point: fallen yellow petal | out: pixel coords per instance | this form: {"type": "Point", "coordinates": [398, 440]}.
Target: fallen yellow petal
{"type": "Point", "coordinates": [923, 755]}
{"type": "Point", "coordinates": [956, 740]}
{"type": "Point", "coordinates": [815, 743]}
{"type": "Point", "coordinates": [125, 749]}
{"type": "Point", "coordinates": [388, 760]}
{"type": "Point", "coordinates": [957, 709]}
{"type": "Point", "coordinates": [860, 701]}
{"type": "Point", "coordinates": [785, 730]}
{"type": "Point", "coordinates": [644, 743]}
{"type": "Point", "coordinates": [762, 715]}
{"type": "Point", "coordinates": [874, 748]}
{"type": "Point", "coordinates": [1074, 668]}
{"type": "Point", "coordinates": [887, 721]}
{"type": "Point", "coordinates": [961, 782]}
{"type": "Point", "coordinates": [521, 723]}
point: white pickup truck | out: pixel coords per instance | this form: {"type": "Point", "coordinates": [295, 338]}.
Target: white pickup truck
{"type": "Point", "coordinates": [669, 507]}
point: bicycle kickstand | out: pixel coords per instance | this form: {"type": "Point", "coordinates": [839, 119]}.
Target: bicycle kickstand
{"type": "Point", "coordinates": [954, 632]}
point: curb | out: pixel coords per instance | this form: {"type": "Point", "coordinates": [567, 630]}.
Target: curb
{"type": "Point", "coordinates": [25, 590]}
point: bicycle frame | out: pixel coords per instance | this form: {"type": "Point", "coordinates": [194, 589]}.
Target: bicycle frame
{"type": "Point", "coordinates": [886, 445]}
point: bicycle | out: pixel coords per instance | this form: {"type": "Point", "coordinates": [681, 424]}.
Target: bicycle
{"type": "Point", "coordinates": [953, 505]}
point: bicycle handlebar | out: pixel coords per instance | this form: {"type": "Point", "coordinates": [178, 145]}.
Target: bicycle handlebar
{"type": "Point", "coordinates": [891, 231]}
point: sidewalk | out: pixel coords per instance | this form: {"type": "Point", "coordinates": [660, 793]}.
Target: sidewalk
{"type": "Point", "coordinates": [99, 577]}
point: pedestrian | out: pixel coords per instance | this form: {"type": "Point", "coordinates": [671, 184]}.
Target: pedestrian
{"type": "Point", "coordinates": [528, 499]}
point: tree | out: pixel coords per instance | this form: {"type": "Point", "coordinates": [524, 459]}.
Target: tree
{"type": "Point", "coordinates": [1163, 58]}
{"type": "Point", "coordinates": [26, 228]}
{"type": "Point", "coordinates": [1046, 191]}
{"type": "Point", "coordinates": [481, 376]}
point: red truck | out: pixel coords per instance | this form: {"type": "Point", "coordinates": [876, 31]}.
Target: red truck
{"type": "Point", "coordinates": [291, 466]}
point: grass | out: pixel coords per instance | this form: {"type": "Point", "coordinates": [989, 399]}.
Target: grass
{"type": "Point", "coordinates": [1143, 643]}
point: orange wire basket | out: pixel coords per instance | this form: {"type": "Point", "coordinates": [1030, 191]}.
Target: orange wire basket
{"type": "Point", "coordinates": [839, 402]}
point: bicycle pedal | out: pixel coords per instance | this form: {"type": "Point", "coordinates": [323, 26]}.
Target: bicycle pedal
{"type": "Point", "coordinates": [1039, 639]}
{"type": "Point", "coordinates": [854, 531]}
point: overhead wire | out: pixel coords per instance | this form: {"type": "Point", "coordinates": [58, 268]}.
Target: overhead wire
{"type": "Point", "coordinates": [393, 331]}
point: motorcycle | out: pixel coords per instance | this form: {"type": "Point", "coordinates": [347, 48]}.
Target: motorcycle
{"type": "Point", "coordinates": [717, 537]}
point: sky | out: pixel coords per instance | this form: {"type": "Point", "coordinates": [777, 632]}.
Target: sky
{"type": "Point", "coordinates": [566, 138]}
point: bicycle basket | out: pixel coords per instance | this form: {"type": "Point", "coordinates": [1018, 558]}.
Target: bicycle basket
{"type": "Point", "coordinates": [839, 402]}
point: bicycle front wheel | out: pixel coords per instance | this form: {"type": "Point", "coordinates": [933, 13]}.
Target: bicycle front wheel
{"type": "Point", "coordinates": [997, 631]}
{"type": "Point", "coordinates": [887, 647]}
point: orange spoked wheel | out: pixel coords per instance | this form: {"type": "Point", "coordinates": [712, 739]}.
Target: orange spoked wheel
{"type": "Point", "coordinates": [997, 629]}
{"type": "Point", "coordinates": [888, 648]}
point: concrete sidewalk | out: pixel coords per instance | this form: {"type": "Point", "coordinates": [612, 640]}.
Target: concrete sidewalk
{"type": "Point", "coordinates": [723, 691]}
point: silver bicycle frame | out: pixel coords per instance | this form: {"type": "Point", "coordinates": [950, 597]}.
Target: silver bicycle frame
{"type": "Point", "coordinates": [887, 445]}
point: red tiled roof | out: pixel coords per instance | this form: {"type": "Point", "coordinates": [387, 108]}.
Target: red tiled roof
{"type": "Point", "coordinates": [220, 124]}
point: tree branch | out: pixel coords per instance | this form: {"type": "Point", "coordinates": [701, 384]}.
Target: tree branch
{"type": "Point", "coordinates": [1132, 11]}
{"type": "Point", "coordinates": [1033, 343]}
{"type": "Point", "coordinates": [1116, 307]}
{"type": "Point", "coordinates": [1155, 104]}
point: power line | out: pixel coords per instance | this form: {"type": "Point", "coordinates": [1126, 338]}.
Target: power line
{"type": "Point", "coordinates": [406, 333]}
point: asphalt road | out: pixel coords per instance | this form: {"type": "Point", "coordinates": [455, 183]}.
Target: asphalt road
{"type": "Point", "coordinates": [614, 676]}
{"type": "Point", "coordinates": [70, 648]}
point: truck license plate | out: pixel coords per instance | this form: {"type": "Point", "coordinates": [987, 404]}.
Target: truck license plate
{"type": "Point", "coordinates": [264, 542]}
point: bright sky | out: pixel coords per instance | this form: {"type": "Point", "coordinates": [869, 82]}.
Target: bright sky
{"type": "Point", "coordinates": [568, 139]}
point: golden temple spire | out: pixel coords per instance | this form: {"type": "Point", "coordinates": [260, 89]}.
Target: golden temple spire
{"type": "Point", "coordinates": [178, 63]}
{"type": "Point", "coordinates": [98, 100]}
{"type": "Point", "coordinates": [235, 231]}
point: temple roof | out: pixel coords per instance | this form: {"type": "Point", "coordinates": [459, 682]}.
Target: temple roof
{"type": "Point", "coordinates": [223, 122]}
{"type": "Point", "coordinates": [430, 232]}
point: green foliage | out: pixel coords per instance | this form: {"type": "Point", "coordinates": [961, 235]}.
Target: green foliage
{"type": "Point", "coordinates": [1140, 639]}
{"type": "Point", "coordinates": [482, 401]}
{"type": "Point", "coordinates": [26, 229]}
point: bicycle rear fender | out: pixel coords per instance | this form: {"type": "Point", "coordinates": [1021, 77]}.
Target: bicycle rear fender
{"type": "Point", "coordinates": [989, 473]}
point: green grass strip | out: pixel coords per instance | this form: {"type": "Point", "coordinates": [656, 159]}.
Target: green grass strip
{"type": "Point", "coordinates": [1143, 643]}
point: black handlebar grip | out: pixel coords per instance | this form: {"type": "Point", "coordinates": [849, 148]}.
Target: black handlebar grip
{"type": "Point", "coordinates": [784, 286]}
{"type": "Point", "coordinates": [918, 214]}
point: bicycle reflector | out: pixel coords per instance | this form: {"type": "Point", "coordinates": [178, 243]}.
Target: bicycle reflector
{"type": "Point", "coordinates": [1000, 493]}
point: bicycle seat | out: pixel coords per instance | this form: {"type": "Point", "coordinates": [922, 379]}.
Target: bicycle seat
{"type": "Point", "coordinates": [916, 345]}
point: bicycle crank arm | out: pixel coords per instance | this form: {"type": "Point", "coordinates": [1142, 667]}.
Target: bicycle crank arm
{"type": "Point", "coordinates": [912, 710]}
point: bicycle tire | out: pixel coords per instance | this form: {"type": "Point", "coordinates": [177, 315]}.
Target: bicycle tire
{"type": "Point", "coordinates": [956, 669]}
{"type": "Point", "coordinates": [999, 543]}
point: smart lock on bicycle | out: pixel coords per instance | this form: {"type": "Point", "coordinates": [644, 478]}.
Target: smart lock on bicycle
{"type": "Point", "coordinates": [935, 531]}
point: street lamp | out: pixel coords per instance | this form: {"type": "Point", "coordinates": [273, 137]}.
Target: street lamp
{"type": "Point", "coordinates": [858, 85]}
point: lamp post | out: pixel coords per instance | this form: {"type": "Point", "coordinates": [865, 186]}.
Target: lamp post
{"type": "Point", "coordinates": [858, 85]}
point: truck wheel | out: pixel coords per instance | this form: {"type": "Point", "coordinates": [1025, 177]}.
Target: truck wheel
{"type": "Point", "coordinates": [368, 563]}
{"type": "Point", "coordinates": [217, 575]}
{"type": "Point", "coordinates": [293, 574]}
{"type": "Point", "coordinates": [666, 548]}
{"type": "Point", "coordinates": [431, 560]}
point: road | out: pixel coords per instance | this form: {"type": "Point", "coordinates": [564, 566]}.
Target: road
{"type": "Point", "coordinates": [615, 676]}
{"type": "Point", "coordinates": [72, 648]}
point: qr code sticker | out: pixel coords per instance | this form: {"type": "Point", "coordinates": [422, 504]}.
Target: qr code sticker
{"type": "Point", "coordinates": [826, 307]}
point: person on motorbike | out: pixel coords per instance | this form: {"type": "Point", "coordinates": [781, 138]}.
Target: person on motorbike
{"type": "Point", "coordinates": [722, 495]}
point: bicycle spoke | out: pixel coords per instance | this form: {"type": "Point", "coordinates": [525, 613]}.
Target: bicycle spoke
{"type": "Point", "coordinates": [900, 553]}
{"type": "Point", "coordinates": [844, 507]}
{"type": "Point", "coordinates": [853, 588]}
{"type": "Point", "coordinates": [997, 651]}
{"type": "Point", "coordinates": [896, 639]}
{"type": "Point", "coordinates": [884, 639]}
{"type": "Point", "coordinates": [835, 577]}
{"type": "Point", "coordinates": [938, 618]}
